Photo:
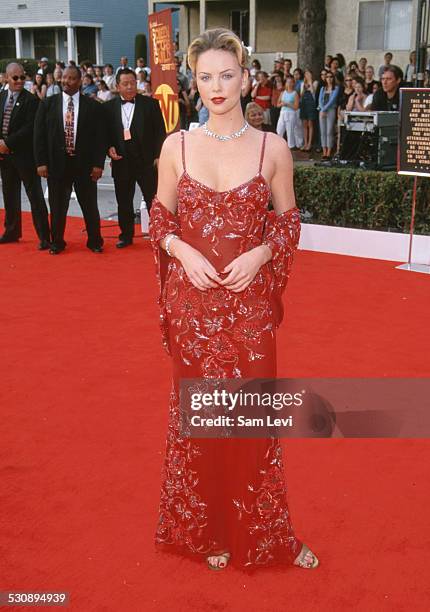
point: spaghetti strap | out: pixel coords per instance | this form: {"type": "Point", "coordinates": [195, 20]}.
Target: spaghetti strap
{"type": "Point", "coordinates": [183, 150]}
{"type": "Point", "coordinates": [262, 153]}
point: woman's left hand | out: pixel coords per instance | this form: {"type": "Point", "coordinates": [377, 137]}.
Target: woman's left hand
{"type": "Point", "coordinates": [242, 270]}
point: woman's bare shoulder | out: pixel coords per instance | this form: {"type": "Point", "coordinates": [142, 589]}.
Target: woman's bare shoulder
{"type": "Point", "coordinates": [172, 142]}
{"type": "Point", "coordinates": [171, 152]}
{"type": "Point", "coordinates": [276, 144]}
{"type": "Point", "coordinates": [172, 146]}
{"type": "Point", "coordinates": [278, 154]}
{"type": "Point", "coordinates": [195, 134]}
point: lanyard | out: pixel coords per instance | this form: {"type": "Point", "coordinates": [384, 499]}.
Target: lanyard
{"type": "Point", "coordinates": [127, 116]}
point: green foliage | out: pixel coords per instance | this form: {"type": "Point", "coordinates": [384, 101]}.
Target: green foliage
{"type": "Point", "coordinates": [361, 199]}
{"type": "Point", "coordinates": [30, 64]}
{"type": "Point", "coordinates": [140, 48]}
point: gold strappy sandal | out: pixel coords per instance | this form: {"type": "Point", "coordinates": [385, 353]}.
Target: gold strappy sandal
{"type": "Point", "coordinates": [300, 559]}
{"type": "Point", "coordinates": [226, 556]}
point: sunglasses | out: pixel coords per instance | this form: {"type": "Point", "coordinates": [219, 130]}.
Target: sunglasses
{"type": "Point", "coordinates": [18, 78]}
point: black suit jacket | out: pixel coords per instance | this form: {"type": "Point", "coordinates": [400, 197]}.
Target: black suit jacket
{"type": "Point", "coordinates": [147, 130]}
{"type": "Point", "coordinates": [49, 139]}
{"type": "Point", "coordinates": [20, 134]}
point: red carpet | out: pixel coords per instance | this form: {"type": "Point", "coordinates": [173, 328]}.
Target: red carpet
{"type": "Point", "coordinates": [84, 392]}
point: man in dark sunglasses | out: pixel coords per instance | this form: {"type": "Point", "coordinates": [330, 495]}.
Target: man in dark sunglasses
{"type": "Point", "coordinates": [17, 112]}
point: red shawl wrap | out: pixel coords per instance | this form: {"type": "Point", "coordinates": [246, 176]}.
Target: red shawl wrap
{"type": "Point", "coordinates": [281, 234]}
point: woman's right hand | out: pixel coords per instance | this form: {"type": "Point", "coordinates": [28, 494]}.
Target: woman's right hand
{"type": "Point", "coordinates": [199, 270]}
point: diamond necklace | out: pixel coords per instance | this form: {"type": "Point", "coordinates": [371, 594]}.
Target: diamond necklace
{"type": "Point", "coordinates": [237, 134]}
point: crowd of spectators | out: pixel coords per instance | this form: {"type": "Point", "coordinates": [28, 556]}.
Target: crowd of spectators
{"type": "Point", "coordinates": [98, 82]}
{"type": "Point", "coordinates": [307, 109]}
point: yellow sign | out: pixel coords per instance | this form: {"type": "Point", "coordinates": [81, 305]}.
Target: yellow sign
{"type": "Point", "coordinates": [168, 100]}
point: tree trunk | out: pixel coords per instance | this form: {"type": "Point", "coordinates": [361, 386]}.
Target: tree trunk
{"type": "Point", "coordinates": [311, 49]}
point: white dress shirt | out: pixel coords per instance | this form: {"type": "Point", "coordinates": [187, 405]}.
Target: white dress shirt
{"type": "Point", "coordinates": [66, 98]}
{"type": "Point", "coordinates": [127, 112]}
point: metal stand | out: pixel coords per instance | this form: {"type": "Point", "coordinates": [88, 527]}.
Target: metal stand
{"type": "Point", "coordinates": [409, 266]}
{"type": "Point", "coordinates": [421, 47]}
{"type": "Point", "coordinates": [415, 268]}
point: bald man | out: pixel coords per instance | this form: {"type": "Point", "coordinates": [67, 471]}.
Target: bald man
{"type": "Point", "coordinates": [17, 113]}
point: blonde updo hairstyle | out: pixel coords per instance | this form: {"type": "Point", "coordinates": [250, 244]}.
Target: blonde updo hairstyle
{"type": "Point", "coordinates": [217, 38]}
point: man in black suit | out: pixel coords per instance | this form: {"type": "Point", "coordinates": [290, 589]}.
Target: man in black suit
{"type": "Point", "coordinates": [17, 112]}
{"type": "Point", "coordinates": [70, 149]}
{"type": "Point", "coordinates": [135, 129]}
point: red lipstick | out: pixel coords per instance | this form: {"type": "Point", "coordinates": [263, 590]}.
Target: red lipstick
{"type": "Point", "coordinates": [217, 100]}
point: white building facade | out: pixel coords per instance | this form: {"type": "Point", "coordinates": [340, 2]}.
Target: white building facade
{"type": "Point", "coordinates": [354, 28]}
{"type": "Point", "coordinates": [95, 30]}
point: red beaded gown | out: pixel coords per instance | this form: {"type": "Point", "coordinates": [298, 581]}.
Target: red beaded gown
{"type": "Point", "coordinates": [222, 494]}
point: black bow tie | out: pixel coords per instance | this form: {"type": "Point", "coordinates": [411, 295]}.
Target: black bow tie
{"type": "Point", "coordinates": [127, 101]}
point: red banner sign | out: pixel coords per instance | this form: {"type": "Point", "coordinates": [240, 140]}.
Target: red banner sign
{"type": "Point", "coordinates": [163, 68]}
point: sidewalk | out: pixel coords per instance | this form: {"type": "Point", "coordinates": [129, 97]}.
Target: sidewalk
{"type": "Point", "coordinates": [106, 193]}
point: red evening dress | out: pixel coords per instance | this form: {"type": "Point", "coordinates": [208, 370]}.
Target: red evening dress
{"type": "Point", "coordinates": [222, 494]}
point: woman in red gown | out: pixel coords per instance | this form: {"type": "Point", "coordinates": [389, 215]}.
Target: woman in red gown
{"type": "Point", "coordinates": [223, 260]}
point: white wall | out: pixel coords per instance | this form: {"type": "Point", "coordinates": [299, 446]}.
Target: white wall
{"type": "Point", "coordinates": [372, 244]}
{"type": "Point", "coordinates": [342, 34]}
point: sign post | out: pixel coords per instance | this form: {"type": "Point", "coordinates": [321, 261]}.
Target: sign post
{"type": "Point", "coordinates": [413, 154]}
{"type": "Point", "coordinates": [163, 68]}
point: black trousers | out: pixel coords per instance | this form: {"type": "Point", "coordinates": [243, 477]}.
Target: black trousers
{"type": "Point", "coordinates": [125, 188]}
{"type": "Point", "coordinates": [274, 116]}
{"type": "Point", "coordinates": [60, 190]}
{"type": "Point", "coordinates": [12, 175]}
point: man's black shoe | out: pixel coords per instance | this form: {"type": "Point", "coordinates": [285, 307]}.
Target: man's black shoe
{"type": "Point", "coordinates": [44, 245]}
{"type": "Point", "coordinates": [6, 239]}
{"type": "Point", "coordinates": [121, 244]}
{"type": "Point", "coordinates": [98, 249]}
{"type": "Point", "coordinates": [55, 250]}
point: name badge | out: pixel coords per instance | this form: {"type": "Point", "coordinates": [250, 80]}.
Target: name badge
{"type": "Point", "coordinates": [127, 134]}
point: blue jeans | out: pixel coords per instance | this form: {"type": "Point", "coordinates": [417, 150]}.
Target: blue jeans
{"type": "Point", "coordinates": [327, 124]}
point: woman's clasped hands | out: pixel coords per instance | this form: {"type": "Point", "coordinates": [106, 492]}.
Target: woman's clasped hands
{"type": "Point", "coordinates": [237, 275]}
